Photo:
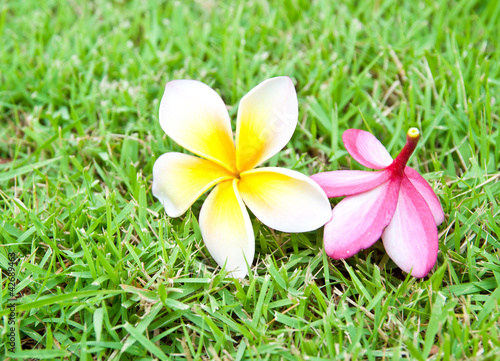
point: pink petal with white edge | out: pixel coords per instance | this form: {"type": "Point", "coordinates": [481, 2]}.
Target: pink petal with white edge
{"type": "Point", "coordinates": [226, 229]}
{"type": "Point", "coordinates": [359, 220]}
{"type": "Point", "coordinates": [347, 182]}
{"type": "Point", "coordinates": [366, 149]}
{"type": "Point", "coordinates": [411, 239]}
{"type": "Point", "coordinates": [426, 191]}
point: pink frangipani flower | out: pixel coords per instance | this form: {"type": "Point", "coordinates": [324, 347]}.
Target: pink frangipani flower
{"type": "Point", "coordinates": [395, 203]}
{"type": "Point", "coordinates": [195, 117]}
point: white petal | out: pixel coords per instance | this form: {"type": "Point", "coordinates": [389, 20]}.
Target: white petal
{"type": "Point", "coordinates": [284, 199]}
{"type": "Point", "coordinates": [195, 117]}
{"type": "Point", "coordinates": [267, 117]}
{"type": "Point", "coordinates": [227, 230]}
{"type": "Point", "coordinates": [180, 179]}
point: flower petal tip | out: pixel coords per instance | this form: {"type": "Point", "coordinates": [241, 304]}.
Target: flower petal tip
{"type": "Point", "coordinates": [237, 273]}
{"type": "Point", "coordinates": [366, 149]}
{"type": "Point", "coordinates": [420, 273]}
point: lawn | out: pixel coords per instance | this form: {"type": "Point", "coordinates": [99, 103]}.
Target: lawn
{"type": "Point", "coordinates": [103, 273]}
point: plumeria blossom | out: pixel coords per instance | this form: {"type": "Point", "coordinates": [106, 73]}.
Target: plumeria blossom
{"type": "Point", "coordinates": [395, 203]}
{"type": "Point", "coordinates": [195, 117]}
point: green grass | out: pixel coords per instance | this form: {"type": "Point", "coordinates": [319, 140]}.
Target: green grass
{"type": "Point", "coordinates": [104, 274]}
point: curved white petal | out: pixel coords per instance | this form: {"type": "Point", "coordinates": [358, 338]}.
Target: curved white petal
{"type": "Point", "coordinates": [195, 117]}
{"type": "Point", "coordinates": [411, 239]}
{"type": "Point", "coordinates": [180, 179]}
{"type": "Point", "coordinates": [366, 149]}
{"type": "Point", "coordinates": [267, 117]}
{"type": "Point", "coordinates": [226, 229]}
{"type": "Point", "coordinates": [284, 199]}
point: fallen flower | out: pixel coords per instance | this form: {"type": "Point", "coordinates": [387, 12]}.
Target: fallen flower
{"type": "Point", "coordinates": [395, 203]}
{"type": "Point", "coordinates": [195, 117]}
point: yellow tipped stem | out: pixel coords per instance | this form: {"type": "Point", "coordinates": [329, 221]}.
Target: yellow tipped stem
{"type": "Point", "coordinates": [412, 138]}
{"type": "Point", "coordinates": [413, 133]}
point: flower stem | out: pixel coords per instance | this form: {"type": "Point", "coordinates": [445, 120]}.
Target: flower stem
{"type": "Point", "coordinates": [399, 164]}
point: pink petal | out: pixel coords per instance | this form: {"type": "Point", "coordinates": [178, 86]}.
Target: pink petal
{"type": "Point", "coordinates": [346, 182]}
{"type": "Point", "coordinates": [411, 239]}
{"type": "Point", "coordinates": [359, 220]}
{"type": "Point", "coordinates": [366, 149]}
{"type": "Point", "coordinates": [427, 193]}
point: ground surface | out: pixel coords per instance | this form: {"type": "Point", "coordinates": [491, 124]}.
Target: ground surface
{"type": "Point", "coordinates": [106, 275]}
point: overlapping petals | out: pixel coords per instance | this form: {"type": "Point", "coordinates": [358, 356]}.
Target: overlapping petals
{"type": "Point", "coordinates": [184, 179]}
{"type": "Point", "coordinates": [194, 116]}
{"type": "Point", "coordinates": [427, 193]}
{"type": "Point", "coordinates": [411, 238]}
{"type": "Point", "coordinates": [395, 203]}
{"type": "Point", "coordinates": [359, 220]}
